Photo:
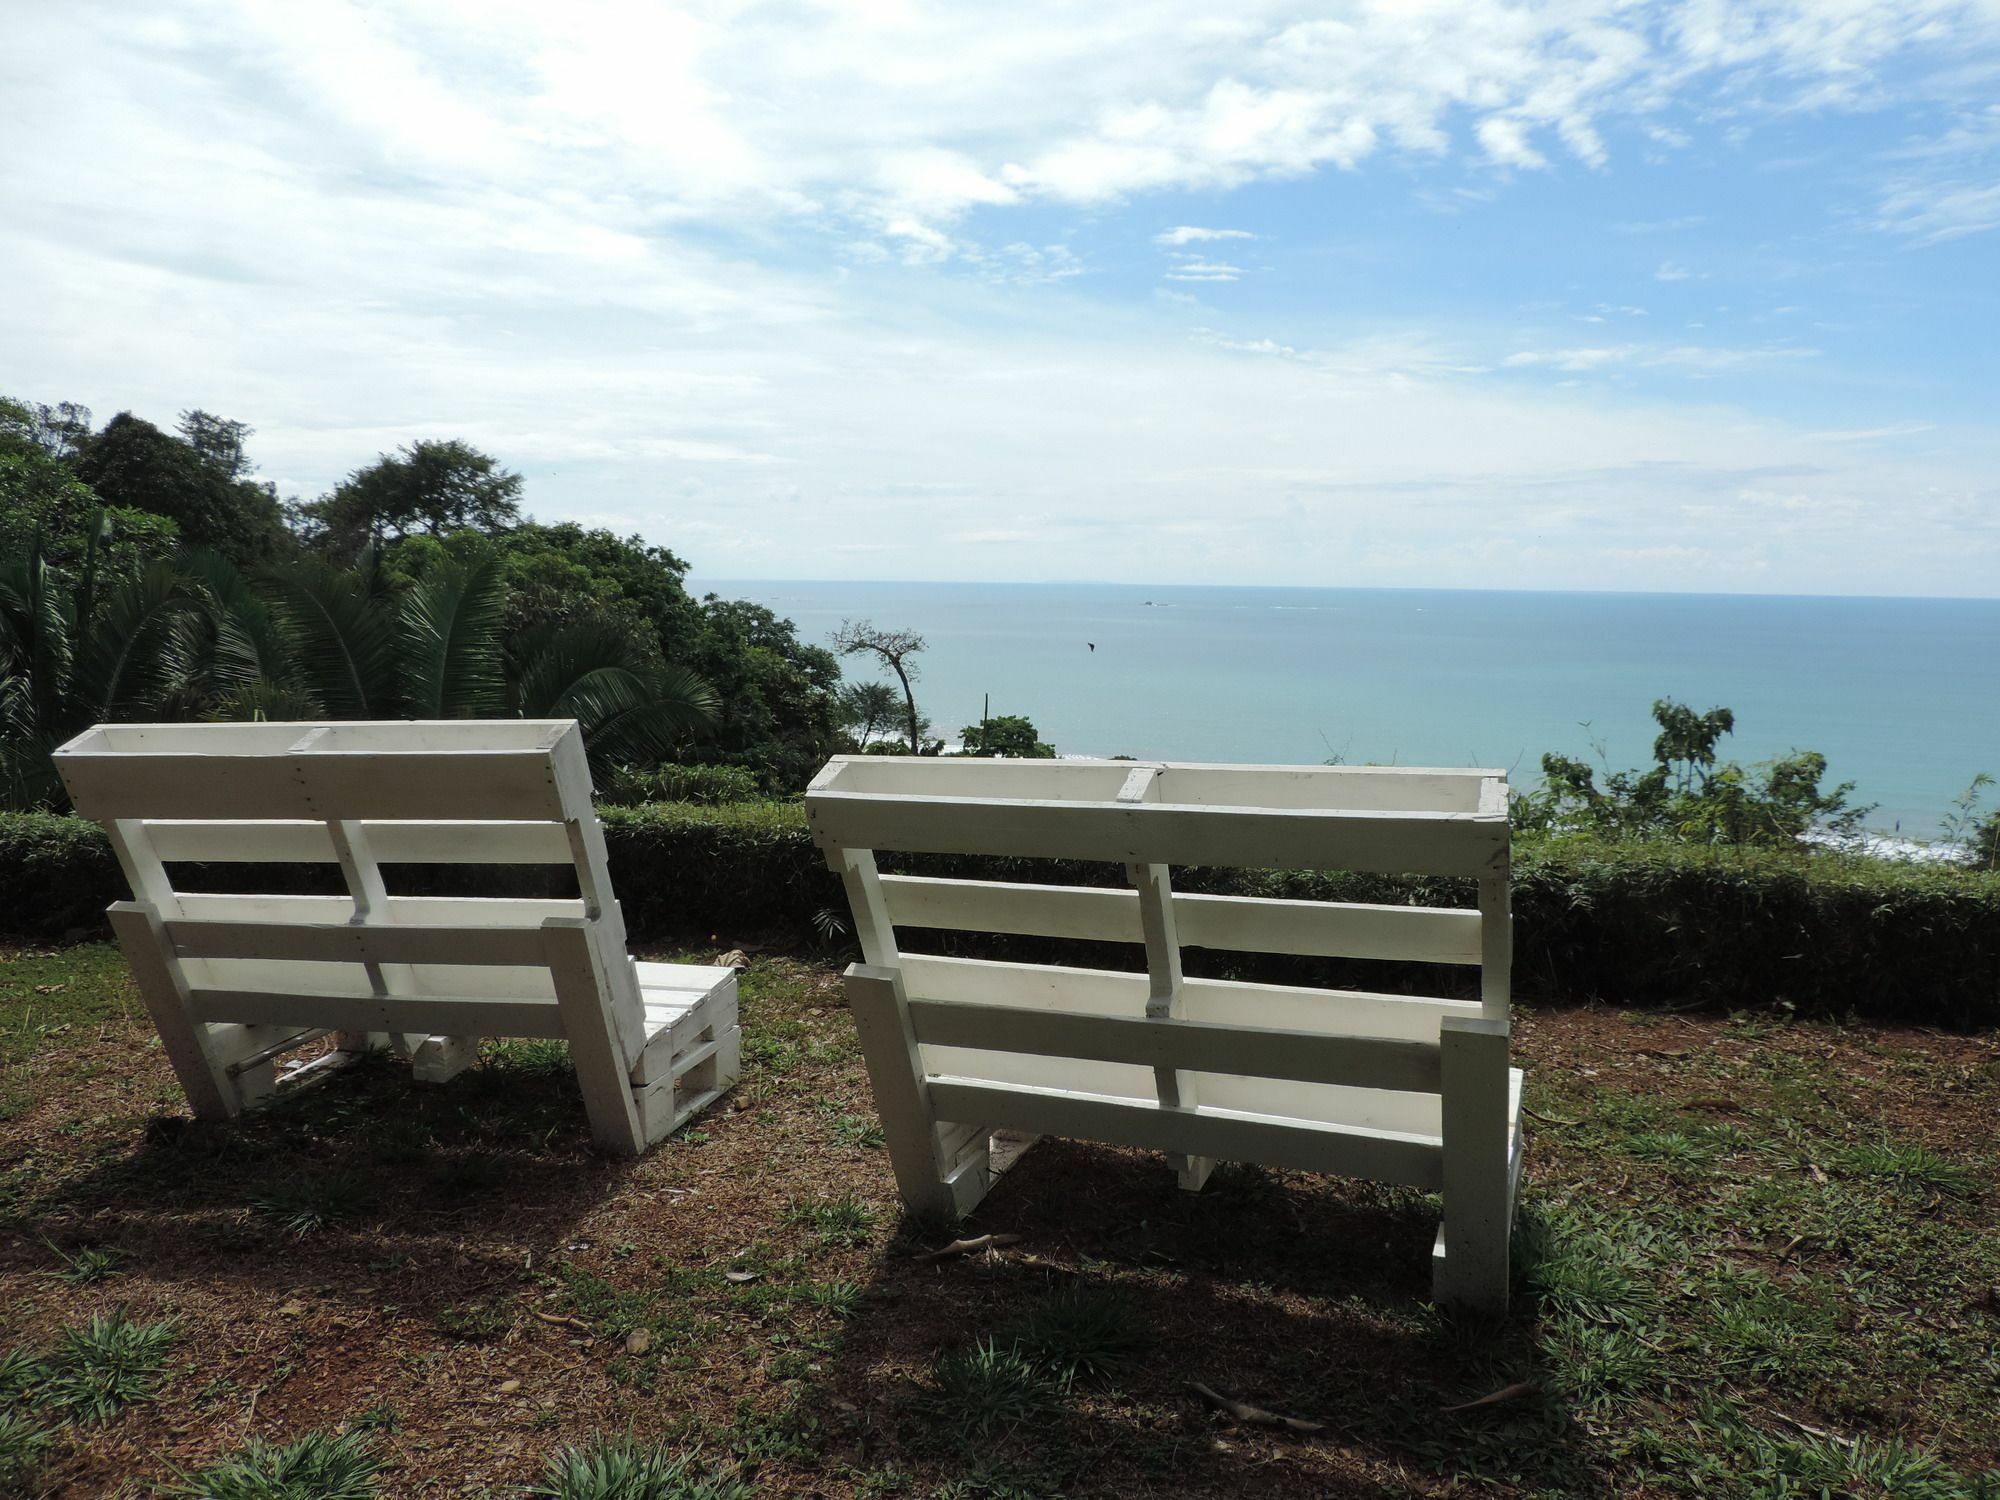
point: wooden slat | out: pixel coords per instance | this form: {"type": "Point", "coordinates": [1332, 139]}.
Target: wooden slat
{"type": "Point", "coordinates": [470, 1016]}
{"type": "Point", "coordinates": [411, 911]}
{"type": "Point", "coordinates": [1384, 1156]}
{"type": "Point", "coordinates": [505, 785]}
{"type": "Point", "coordinates": [1164, 833]}
{"type": "Point", "coordinates": [356, 942]}
{"type": "Point", "coordinates": [1057, 911]}
{"type": "Point", "coordinates": [1205, 1046]}
{"type": "Point", "coordinates": [1326, 929]}
{"type": "Point", "coordinates": [1109, 992]}
{"type": "Point", "coordinates": [1244, 924]}
{"type": "Point", "coordinates": [470, 841]}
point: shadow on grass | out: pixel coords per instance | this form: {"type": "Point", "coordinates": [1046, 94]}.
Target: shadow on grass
{"type": "Point", "coordinates": [434, 1195]}
{"type": "Point", "coordinates": [1302, 1296]}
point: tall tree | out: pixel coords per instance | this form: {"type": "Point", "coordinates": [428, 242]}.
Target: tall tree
{"type": "Point", "coordinates": [427, 488]}
{"type": "Point", "coordinates": [896, 650]}
{"type": "Point", "coordinates": [134, 465]}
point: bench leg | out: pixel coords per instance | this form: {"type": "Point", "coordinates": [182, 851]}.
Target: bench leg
{"type": "Point", "coordinates": [200, 1057]}
{"type": "Point", "coordinates": [1470, 1263]}
{"type": "Point", "coordinates": [942, 1170]}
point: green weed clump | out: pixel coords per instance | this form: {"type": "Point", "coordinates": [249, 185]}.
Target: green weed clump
{"type": "Point", "coordinates": [317, 1466]}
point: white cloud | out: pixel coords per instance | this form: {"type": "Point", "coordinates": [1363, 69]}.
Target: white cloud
{"type": "Point", "coordinates": [753, 281]}
{"type": "Point", "coordinates": [1188, 234]}
{"type": "Point", "coordinates": [1199, 269]}
{"type": "Point", "coordinates": [1672, 271]}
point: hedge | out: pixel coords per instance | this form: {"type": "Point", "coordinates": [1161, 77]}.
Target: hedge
{"type": "Point", "coordinates": [1819, 934]}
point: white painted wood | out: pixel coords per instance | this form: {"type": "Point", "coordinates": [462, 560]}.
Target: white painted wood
{"type": "Point", "coordinates": [1496, 969]}
{"type": "Point", "coordinates": [229, 976]}
{"type": "Point", "coordinates": [1204, 1046]}
{"type": "Point", "coordinates": [406, 911]}
{"type": "Point", "coordinates": [1242, 924]}
{"type": "Point", "coordinates": [603, 1068]}
{"type": "Point", "coordinates": [352, 943]}
{"type": "Point", "coordinates": [1110, 992]}
{"type": "Point", "coordinates": [360, 1011]}
{"type": "Point", "coordinates": [1477, 1166]}
{"type": "Point", "coordinates": [925, 1176]}
{"type": "Point", "coordinates": [1400, 1088]}
{"type": "Point", "coordinates": [439, 1059]}
{"type": "Point", "coordinates": [467, 841]}
{"type": "Point", "coordinates": [1384, 1156]}
{"type": "Point", "coordinates": [1420, 843]}
{"type": "Point", "coordinates": [211, 1093]}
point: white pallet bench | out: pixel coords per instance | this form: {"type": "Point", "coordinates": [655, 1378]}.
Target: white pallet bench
{"type": "Point", "coordinates": [234, 982]}
{"type": "Point", "coordinates": [1395, 1088]}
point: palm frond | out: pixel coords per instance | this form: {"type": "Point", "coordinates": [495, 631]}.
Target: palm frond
{"type": "Point", "coordinates": [448, 637]}
{"type": "Point", "coordinates": [246, 653]}
{"type": "Point", "coordinates": [342, 637]}
{"type": "Point", "coordinates": [631, 710]}
{"type": "Point", "coordinates": [141, 647]}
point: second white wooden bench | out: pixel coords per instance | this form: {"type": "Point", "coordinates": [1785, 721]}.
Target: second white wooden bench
{"type": "Point", "coordinates": [1391, 1087]}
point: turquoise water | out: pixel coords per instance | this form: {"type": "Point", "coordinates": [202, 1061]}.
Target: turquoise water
{"type": "Point", "coordinates": [1901, 695]}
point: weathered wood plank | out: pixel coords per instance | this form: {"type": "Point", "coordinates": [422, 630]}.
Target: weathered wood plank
{"type": "Point", "coordinates": [1162, 833]}
{"type": "Point", "coordinates": [1204, 1046]}
{"type": "Point", "coordinates": [1383, 1156]}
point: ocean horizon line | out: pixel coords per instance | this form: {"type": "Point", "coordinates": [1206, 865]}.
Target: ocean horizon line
{"type": "Point", "coordinates": [703, 581]}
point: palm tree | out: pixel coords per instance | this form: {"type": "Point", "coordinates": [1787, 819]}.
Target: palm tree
{"type": "Point", "coordinates": [73, 654]}
{"type": "Point", "coordinates": [190, 637]}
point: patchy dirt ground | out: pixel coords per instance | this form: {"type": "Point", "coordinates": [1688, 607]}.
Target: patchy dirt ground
{"type": "Point", "coordinates": [1756, 1258]}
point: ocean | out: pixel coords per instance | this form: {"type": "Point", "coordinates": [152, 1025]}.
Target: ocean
{"type": "Point", "coordinates": [1902, 696]}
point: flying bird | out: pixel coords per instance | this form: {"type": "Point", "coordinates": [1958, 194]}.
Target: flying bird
{"type": "Point", "coordinates": [1091, 644]}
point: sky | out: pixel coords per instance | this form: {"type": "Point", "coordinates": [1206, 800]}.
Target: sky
{"type": "Point", "coordinates": [1449, 293]}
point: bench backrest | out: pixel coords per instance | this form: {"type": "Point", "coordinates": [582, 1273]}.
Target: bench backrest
{"type": "Point", "coordinates": [360, 795]}
{"type": "Point", "coordinates": [1319, 1057]}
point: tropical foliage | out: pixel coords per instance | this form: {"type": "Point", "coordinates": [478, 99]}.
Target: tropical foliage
{"type": "Point", "coordinates": [1688, 796]}
{"type": "Point", "coordinates": [148, 575]}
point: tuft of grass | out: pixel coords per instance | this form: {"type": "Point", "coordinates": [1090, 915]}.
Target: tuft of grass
{"type": "Point", "coordinates": [1582, 1272]}
{"type": "Point", "coordinates": [475, 1322]}
{"type": "Point", "coordinates": [845, 1221]}
{"type": "Point", "coordinates": [20, 1374]}
{"type": "Point", "coordinates": [840, 1299]}
{"type": "Point", "coordinates": [1908, 1166]}
{"type": "Point", "coordinates": [108, 1364]}
{"type": "Point", "coordinates": [304, 1207]}
{"type": "Point", "coordinates": [88, 1265]}
{"type": "Point", "coordinates": [857, 1131]}
{"type": "Point", "coordinates": [620, 1469]}
{"type": "Point", "coordinates": [1082, 1333]}
{"type": "Point", "coordinates": [537, 1058]}
{"type": "Point", "coordinates": [22, 1445]}
{"type": "Point", "coordinates": [1670, 1148]}
{"type": "Point", "coordinates": [987, 1386]}
{"type": "Point", "coordinates": [318, 1466]}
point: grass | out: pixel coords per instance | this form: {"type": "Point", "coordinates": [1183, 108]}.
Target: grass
{"type": "Point", "coordinates": [317, 1466]}
{"type": "Point", "coordinates": [316, 1201]}
{"type": "Point", "coordinates": [1082, 1332]}
{"type": "Point", "coordinates": [843, 1221]}
{"type": "Point", "coordinates": [1756, 1258]}
{"type": "Point", "coordinates": [988, 1386]}
{"type": "Point", "coordinates": [100, 1367]}
{"type": "Point", "coordinates": [624, 1469]}
{"type": "Point", "coordinates": [23, 1442]}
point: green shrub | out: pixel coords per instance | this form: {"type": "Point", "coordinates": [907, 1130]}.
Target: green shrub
{"type": "Point", "coordinates": [1639, 923]}
{"type": "Point", "coordinates": [704, 786]}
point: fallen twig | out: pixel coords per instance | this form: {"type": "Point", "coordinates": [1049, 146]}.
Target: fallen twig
{"type": "Point", "coordinates": [1254, 1416]}
{"type": "Point", "coordinates": [971, 1246]}
{"type": "Point", "coordinates": [1512, 1392]}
